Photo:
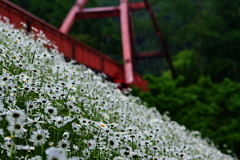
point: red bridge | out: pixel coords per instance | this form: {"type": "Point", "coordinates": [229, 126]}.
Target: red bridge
{"type": "Point", "coordinates": [84, 54]}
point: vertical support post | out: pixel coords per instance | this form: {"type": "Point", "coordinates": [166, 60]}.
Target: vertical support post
{"type": "Point", "coordinates": [128, 68]}
{"type": "Point", "coordinates": [133, 42]}
{"type": "Point", "coordinates": [69, 20]}
{"type": "Point", "coordinates": [160, 37]}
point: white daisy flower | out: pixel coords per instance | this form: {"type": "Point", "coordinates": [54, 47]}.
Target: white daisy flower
{"type": "Point", "coordinates": [102, 125]}
{"type": "Point", "coordinates": [30, 105]}
{"type": "Point", "coordinates": [112, 141]}
{"type": "Point", "coordinates": [119, 158]}
{"type": "Point", "coordinates": [50, 143]}
{"type": "Point", "coordinates": [64, 144]}
{"type": "Point", "coordinates": [17, 128]}
{"type": "Point", "coordinates": [59, 121]}
{"type": "Point", "coordinates": [56, 153]}
{"type": "Point", "coordinates": [28, 148]}
{"type": "Point", "coordinates": [74, 158]}
{"type": "Point", "coordinates": [86, 153]}
{"type": "Point", "coordinates": [66, 135]}
{"type": "Point", "coordinates": [75, 147]}
{"type": "Point", "coordinates": [50, 110]}
{"type": "Point", "coordinates": [38, 137]}
{"type": "Point", "coordinates": [36, 158]}
{"type": "Point", "coordinates": [35, 120]}
{"type": "Point", "coordinates": [16, 116]}
{"type": "Point", "coordinates": [91, 144]}
{"type": "Point", "coordinates": [75, 127]}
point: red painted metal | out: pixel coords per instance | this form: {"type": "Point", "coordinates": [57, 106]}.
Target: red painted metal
{"type": "Point", "coordinates": [105, 12]}
{"type": "Point", "coordinates": [133, 42]}
{"type": "Point", "coordinates": [83, 54]}
{"type": "Point", "coordinates": [127, 28]}
{"type": "Point", "coordinates": [101, 62]}
{"type": "Point", "coordinates": [68, 22]}
{"type": "Point", "coordinates": [137, 6]}
{"type": "Point", "coordinates": [150, 54]}
{"type": "Point", "coordinates": [160, 37]}
{"type": "Point", "coordinates": [128, 36]}
{"type": "Point", "coordinates": [128, 68]}
{"type": "Point", "coordinates": [101, 12]}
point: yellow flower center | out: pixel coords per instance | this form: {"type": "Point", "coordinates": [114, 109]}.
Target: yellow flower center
{"type": "Point", "coordinates": [102, 125]}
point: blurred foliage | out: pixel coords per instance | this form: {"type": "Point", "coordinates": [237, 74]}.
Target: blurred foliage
{"type": "Point", "coordinates": [211, 108]}
{"type": "Point", "coordinates": [207, 28]}
{"type": "Point", "coordinates": [52, 12]}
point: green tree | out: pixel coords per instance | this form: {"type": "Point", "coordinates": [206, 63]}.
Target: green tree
{"type": "Point", "coordinates": [211, 108]}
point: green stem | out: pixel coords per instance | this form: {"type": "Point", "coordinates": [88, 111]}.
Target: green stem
{"type": "Point", "coordinates": [33, 56]}
{"type": "Point", "coordinates": [132, 143]}
{"type": "Point", "coordinates": [12, 146]}
{"type": "Point", "coordinates": [42, 149]}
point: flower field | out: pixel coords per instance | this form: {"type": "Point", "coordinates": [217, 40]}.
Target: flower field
{"type": "Point", "coordinates": [51, 109]}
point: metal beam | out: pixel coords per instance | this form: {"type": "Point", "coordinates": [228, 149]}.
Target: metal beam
{"type": "Point", "coordinates": [151, 54]}
{"type": "Point", "coordinates": [128, 68]}
{"type": "Point", "coordinates": [100, 12]}
{"type": "Point", "coordinates": [133, 42]}
{"type": "Point", "coordinates": [105, 12]}
{"type": "Point", "coordinates": [160, 37]}
{"type": "Point", "coordinates": [137, 6]}
{"type": "Point", "coordinates": [69, 20]}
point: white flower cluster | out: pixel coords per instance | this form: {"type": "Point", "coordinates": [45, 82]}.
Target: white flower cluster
{"type": "Point", "coordinates": [50, 109]}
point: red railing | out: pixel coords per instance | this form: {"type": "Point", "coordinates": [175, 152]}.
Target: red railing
{"type": "Point", "coordinates": [70, 47]}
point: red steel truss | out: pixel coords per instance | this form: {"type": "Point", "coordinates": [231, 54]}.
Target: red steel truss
{"type": "Point", "coordinates": [78, 6]}
{"type": "Point", "coordinates": [128, 37]}
{"type": "Point", "coordinates": [126, 45]}
{"type": "Point", "coordinates": [86, 55]}
{"type": "Point", "coordinates": [70, 47]}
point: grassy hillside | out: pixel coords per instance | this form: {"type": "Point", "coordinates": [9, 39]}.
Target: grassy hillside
{"type": "Point", "coordinates": [50, 109]}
